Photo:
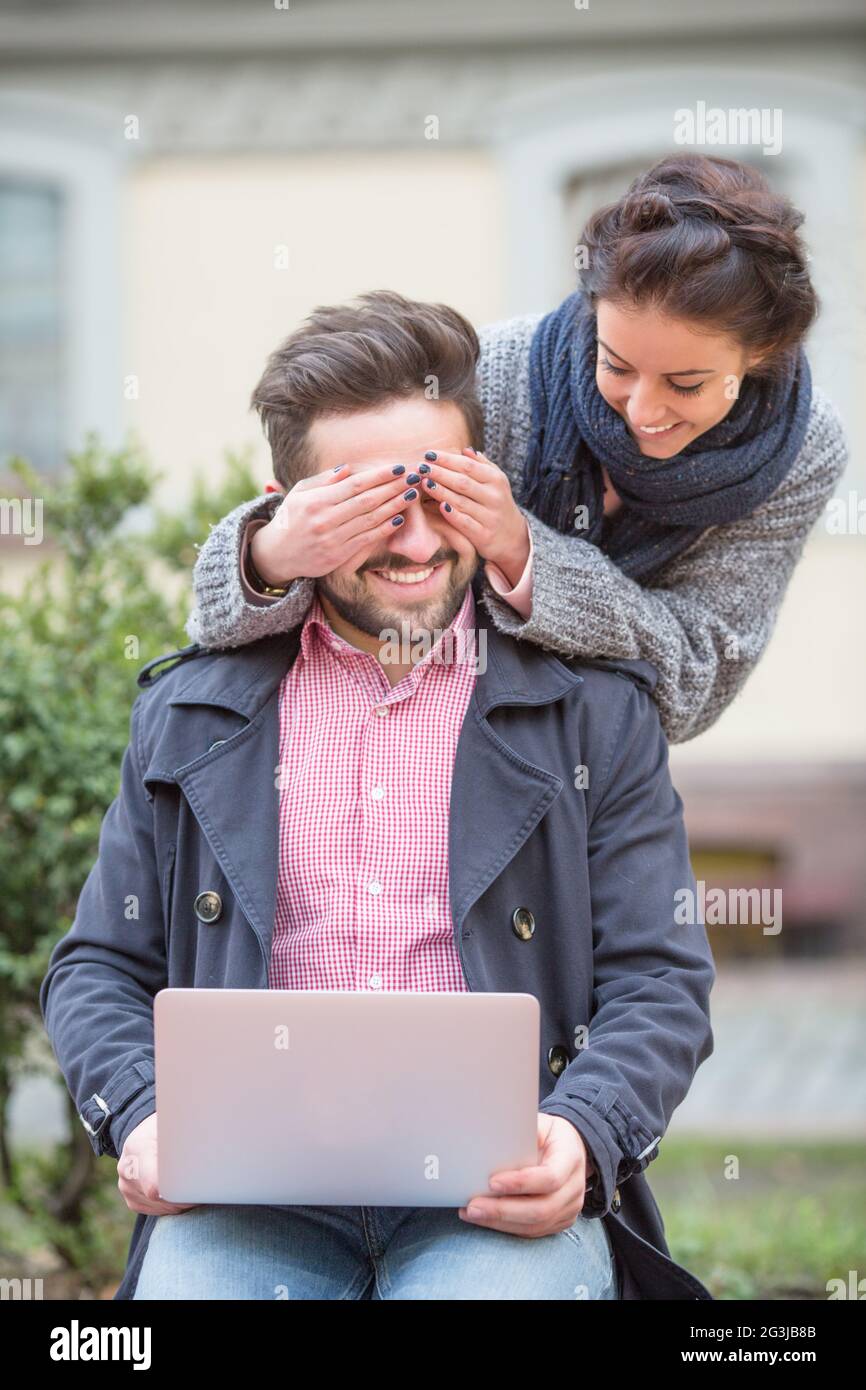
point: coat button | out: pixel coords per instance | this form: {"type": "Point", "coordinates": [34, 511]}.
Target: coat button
{"type": "Point", "coordinates": [557, 1059]}
{"type": "Point", "coordinates": [523, 923]}
{"type": "Point", "coordinates": [208, 906]}
{"type": "Point", "coordinates": [616, 1200]}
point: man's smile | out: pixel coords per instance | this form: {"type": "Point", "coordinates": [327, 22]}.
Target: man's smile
{"type": "Point", "coordinates": [422, 581]}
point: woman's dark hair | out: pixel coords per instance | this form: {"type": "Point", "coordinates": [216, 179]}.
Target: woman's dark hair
{"type": "Point", "coordinates": [706, 239]}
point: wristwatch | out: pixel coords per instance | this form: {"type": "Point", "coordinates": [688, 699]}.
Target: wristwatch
{"type": "Point", "coordinates": [259, 584]}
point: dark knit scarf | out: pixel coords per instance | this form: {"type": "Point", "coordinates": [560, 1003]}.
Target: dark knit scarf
{"type": "Point", "coordinates": [723, 474]}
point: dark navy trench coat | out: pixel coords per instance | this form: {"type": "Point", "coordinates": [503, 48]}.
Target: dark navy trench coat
{"type": "Point", "coordinates": [597, 865]}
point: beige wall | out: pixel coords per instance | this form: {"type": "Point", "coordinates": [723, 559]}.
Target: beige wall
{"type": "Point", "coordinates": [805, 700]}
{"type": "Point", "coordinates": [203, 303]}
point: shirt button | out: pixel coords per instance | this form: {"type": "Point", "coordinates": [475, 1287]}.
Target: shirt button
{"type": "Point", "coordinates": [377, 793]}
{"type": "Point", "coordinates": [375, 887]}
{"type": "Point", "coordinates": [381, 710]}
{"type": "Point", "coordinates": [375, 981]}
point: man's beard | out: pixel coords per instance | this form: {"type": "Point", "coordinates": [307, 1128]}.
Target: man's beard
{"type": "Point", "coordinates": [357, 605]}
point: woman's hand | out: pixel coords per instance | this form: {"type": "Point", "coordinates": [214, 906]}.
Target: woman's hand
{"type": "Point", "coordinates": [544, 1199]}
{"type": "Point", "coordinates": [475, 498]}
{"type": "Point", "coordinates": [328, 518]}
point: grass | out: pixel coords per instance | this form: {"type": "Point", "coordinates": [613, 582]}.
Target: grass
{"type": "Point", "coordinates": [793, 1218]}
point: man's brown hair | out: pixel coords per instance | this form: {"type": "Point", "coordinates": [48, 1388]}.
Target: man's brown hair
{"type": "Point", "coordinates": [354, 357]}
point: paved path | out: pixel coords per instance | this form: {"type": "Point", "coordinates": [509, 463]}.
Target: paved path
{"type": "Point", "coordinates": [789, 1056]}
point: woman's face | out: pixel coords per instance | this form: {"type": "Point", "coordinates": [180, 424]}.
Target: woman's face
{"type": "Point", "coordinates": [668, 381]}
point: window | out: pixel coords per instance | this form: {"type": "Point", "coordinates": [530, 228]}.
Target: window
{"type": "Point", "coordinates": [31, 324]}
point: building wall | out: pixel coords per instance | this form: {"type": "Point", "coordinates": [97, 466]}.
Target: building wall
{"type": "Point", "coordinates": [803, 703]}
{"type": "Point", "coordinates": [203, 301]}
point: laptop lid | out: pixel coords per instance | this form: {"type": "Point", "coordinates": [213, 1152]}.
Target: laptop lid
{"type": "Point", "coordinates": [342, 1097]}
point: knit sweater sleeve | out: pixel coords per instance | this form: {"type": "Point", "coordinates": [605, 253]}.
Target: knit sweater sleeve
{"type": "Point", "coordinates": [706, 618]}
{"type": "Point", "coordinates": [223, 615]}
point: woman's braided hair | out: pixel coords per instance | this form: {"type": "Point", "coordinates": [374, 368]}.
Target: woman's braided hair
{"type": "Point", "coordinates": [707, 240]}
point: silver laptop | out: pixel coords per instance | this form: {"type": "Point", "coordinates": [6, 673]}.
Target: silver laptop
{"type": "Point", "coordinates": [340, 1098]}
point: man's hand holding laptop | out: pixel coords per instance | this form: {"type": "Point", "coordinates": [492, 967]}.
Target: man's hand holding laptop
{"type": "Point", "coordinates": [543, 1200]}
{"type": "Point", "coordinates": [138, 1179]}
{"type": "Point", "coordinates": [535, 1201]}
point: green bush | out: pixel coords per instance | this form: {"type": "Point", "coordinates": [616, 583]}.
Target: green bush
{"type": "Point", "coordinates": [102, 604]}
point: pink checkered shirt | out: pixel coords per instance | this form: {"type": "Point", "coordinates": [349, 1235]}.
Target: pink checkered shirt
{"type": "Point", "coordinates": [365, 789]}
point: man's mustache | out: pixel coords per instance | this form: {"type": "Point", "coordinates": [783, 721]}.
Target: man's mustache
{"type": "Point", "coordinates": [398, 562]}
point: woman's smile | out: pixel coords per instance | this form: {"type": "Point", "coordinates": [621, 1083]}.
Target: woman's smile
{"type": "Point", "coordinates": [657, 436]}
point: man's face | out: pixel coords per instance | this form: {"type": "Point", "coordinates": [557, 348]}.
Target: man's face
{"type": "Point", "coordinates": [421, 574]}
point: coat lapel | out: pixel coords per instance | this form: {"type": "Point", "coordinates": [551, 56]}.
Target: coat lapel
{"type": "Point", "coordinates": [231, 782]}
{"type": "Point", "coordinates": [498, 795]}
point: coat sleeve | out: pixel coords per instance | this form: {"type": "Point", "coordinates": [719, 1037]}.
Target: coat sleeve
{"type": "Point", "coordinates": [97, 995]}
{"type": "Point", "coordinates": [706, 618]}
{"type": "Point", "coordinates": [650, 1025]}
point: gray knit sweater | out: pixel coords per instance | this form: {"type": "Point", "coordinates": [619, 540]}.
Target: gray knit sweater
{"type": "Point", "coordinates": [703, 620]}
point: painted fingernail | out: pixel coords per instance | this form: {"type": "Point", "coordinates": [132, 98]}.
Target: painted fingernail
{"type": "Point", "coordinates": [448, 507]}
{"type": "Point", "coordinates": [423, 468]}
{"type": "Point", "coordinates": [430, 484]}
{"type": "Point", "coordinates": [397, 520]}
{"type": "Point", "coordinates": [410, 495]}
{"type": "Point", "coordinates": [338, 467]}
{"type": "Point", "coordinates": [413, 478]}
{"type": "Point", "coordinates": [431, 455]}
{"type": "Point", "coordinates": [401, 468]}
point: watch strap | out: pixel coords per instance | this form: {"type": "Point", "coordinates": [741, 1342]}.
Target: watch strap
{"type": "Point", "coordinates": [260, 585]}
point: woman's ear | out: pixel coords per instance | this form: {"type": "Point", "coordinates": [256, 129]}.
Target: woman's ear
{"type": "Point", "coordinates": [274, 486]}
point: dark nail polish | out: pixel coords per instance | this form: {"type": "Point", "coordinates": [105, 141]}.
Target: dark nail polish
{"type": "Point", "coordinates": [430, 484]}
{"type": "Point", "coordinates": [338, 467]}
{"type": "Point", "coordinates": [423, 468]}
{"type": "Point", "coordinates": [413, 478]}
{"type": "Point", "coordinates": [410, 495]}
{"type": "Point", "coordinates": [401, 468]}
{"type": "Point", "coordinates": [448, 507]}
{"type": "Point", "coordinates": [431, 455]}
{"type": "Point", "coordinates": [397, 520]}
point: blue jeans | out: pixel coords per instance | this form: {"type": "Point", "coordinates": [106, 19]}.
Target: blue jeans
{"type": "Point", "coordinates": [258, 1252]}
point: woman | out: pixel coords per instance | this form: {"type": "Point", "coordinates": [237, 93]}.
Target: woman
{"type": "Point", "coordinates": [660, 435]}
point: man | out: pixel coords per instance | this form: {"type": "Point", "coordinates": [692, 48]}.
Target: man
{"type": "Point", "coordinates": [331, 809]}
